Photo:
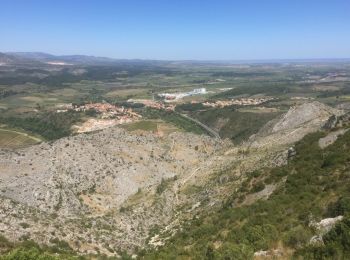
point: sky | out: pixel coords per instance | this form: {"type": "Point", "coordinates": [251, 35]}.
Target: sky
{"type": "Point", "coordinates": [178, 29]}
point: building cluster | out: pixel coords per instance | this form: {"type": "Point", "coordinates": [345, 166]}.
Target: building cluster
{"type": "Point", "coordinates": [99, 107]}
{"type": "Point", "coordinates": [153, 104]}
{"type": "Point", "coordinates": [238, 101]}
{"type": "Point", "coordinates": [175, 96]}
{"type": "Point", "coordinates": [302, 98]}
{"type": "Point", "coordinates": [106, 110]}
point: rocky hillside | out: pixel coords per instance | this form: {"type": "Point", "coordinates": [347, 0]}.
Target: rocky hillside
{"type": "Point", "coordinates": [296, 211]}
{"type": "Point", "coordinates": [111, 162]}
{"type": "Point", "coordinates": [112, 190]}
{"type": "Point", "coordinates": [91, 175]}
{"type": "Point", "coordinates": [295, 124]}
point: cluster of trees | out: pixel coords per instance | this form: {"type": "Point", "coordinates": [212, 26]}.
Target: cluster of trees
{"type": "Point", "coordinates": [247, 73]}
{"type": "Point", "coordinates": [189, 107]}
{"type": "Point", "coordinates": [335, 93]}
{"type": "Point", "coordinates": [49, 125]}
{"type": "Point", "coordinates": [253, 88]}
{"type": "Point", "coordinates": [29, 250]}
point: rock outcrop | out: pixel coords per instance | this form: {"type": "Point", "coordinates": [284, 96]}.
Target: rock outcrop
{"type": "Point", "coordinates": [331, 138]}
{"type": "Point", "coordinates": [294, 125]}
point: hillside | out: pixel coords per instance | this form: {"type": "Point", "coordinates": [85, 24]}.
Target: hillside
{"type": "Point", "coordinates": [234, 124]}
{"type": "Point", "coordinates": [312, 191]}
{"type": "Point", "coordinates": [182, 195]}
{"type": "Point", "coordinates": [84, 181]}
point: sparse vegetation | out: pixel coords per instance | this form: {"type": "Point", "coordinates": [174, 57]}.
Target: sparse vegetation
{"type": "Point", "coordinates": [284, 216]}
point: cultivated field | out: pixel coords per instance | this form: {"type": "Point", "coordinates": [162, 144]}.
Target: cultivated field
{"type": "Point", "coordinates": [12, 139]}
{"type": "Point", "coordinates": [156, 126]}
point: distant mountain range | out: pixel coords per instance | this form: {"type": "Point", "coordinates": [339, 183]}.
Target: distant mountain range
{"type": "Point", "coordinates": [8, 59]}
{"type": "Point", "coordinates": [24, 58]}
{"type": "Point", "coordinates": [56, 60]}
{"type": "Point", "coordinates": [19, 58]}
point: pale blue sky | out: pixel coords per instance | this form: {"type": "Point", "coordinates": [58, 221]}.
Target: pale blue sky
{"type": "Point", "coordinates": [179, 29]}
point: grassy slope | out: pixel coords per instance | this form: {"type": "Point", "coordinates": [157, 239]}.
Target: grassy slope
{"type": "Point", "coordinates": [316, 186]}
{"type": "Point", "coordinates": [239, 125]}
{"type": "Point", "coordinates": [174, 119]}
{"type": "Point", "coordinates": [141, 125]}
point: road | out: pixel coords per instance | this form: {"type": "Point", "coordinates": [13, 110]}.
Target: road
{"type": "Point", "coordinates": [207, 128]}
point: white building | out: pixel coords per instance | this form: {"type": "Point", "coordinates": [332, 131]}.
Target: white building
{"type": "Point", "coordinates": [171, 96]}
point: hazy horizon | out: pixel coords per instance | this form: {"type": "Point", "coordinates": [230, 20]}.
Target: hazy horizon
{"type": "Point", "coordinates": [235, 61]}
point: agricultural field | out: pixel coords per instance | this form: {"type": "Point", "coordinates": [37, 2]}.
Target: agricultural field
{"type": "Point", "coordinates": [156, 126]}
{"type": "Point", "coordinates": [12, 139]}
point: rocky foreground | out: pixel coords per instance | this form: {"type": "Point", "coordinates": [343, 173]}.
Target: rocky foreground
{"type": "Point", "coordinates": [113, 190]}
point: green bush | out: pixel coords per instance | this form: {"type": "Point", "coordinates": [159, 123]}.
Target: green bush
{"type": "Point", "coordinates": [336, 244]}
{"type": "Point", "coordinates": [27, 254]}
{"type": "Point", "coordinates": [231, 251]}
{"type": "Point", "coordinates": [297, 237]}
{"type": "Point", "coordinates": [340, 207]}
{"type": "Point", "coordinates": [258, 187]}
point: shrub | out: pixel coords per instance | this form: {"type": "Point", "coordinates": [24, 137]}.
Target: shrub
{"type": "Point", "coordinates": [258, 187]}
{"type": "Point", "coordinates": [297, 237]}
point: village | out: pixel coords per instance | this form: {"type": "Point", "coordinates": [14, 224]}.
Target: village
{"type": "Point", "coordinates": [153, 104]}
{"type": "Point", "coordinates": [104, 115]}
{"type": "Point", "coordinates": [239, 101]}
{"type": "Point", "coordinates": [109, 115]}
{"type": "Point", "coordinates": [106, 110]}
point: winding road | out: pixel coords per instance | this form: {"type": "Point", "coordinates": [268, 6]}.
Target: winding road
{"type": "Point", "coordinates": [207, 128]}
